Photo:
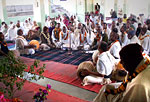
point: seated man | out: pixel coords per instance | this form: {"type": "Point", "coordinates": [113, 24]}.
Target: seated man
{"type": "Point", "coordinates": [132, 38]}
{"type": "Point", "coordinates": [3, 45]}
{"type": "Point", "coordinates": [65, 37]}
{"type": "Point", "coordinates": [105, 62]}
{"type": "Point", "coordinates": [97, 39]}
{"type": "Point", "coordinates": [45, 39]}
{"type": "Point", "coordinates": [22, 45]}
{"type": "Point", "coordinates": [136, 88]}
{"type": "Point", "coordinates": [144, 38]}
{"type": "Point", "coordinates": [56, 35]}
{"type": "Point", "coordinates": [115, 46]}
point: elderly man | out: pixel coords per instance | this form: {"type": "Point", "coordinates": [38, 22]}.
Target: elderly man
{"type": "Point", "coordinates": [22, 45]}
{"type": "Point", "coordinates": [136, 88]}
{"type": "Point", "coordinates": [132, 38]}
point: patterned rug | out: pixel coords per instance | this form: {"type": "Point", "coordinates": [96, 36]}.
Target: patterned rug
{"type": "Point", "coordinates": [57, 55]}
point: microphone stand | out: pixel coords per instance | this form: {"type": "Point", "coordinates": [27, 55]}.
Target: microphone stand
{"type": "Point", "coordinates": [69, 50]}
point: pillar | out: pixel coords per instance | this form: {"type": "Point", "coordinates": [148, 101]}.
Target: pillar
{"type": "Point", "coordinates": [49, 6]}
{"type": "Point", "coordinates": [3, 11]}
{"type": "Point", "coordinates": [89, 5]}
{"type": "Point", "coordinates": [149, 9]}
{"type": "Point", "coordinates": [81, 10]}
{"type": "Point", "coordinates": [42, 10]}
{"type": "Point", "coordinates": [39, 12]}
{"type": "Point", "coordinates": [92, 5]}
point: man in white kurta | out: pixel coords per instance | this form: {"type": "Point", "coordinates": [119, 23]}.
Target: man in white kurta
{"type": "Point", "coordinates": [12, 33]}
{"type": "Point", "coordinates": [132, 38]}
{"type": "Point", "coordinates": [75, 41]}
{"type": "Point", "coordinates": [106, 30]}
{"type": "Point", "coordinates": [145, 40]}
{"type": "Point", "coordinates": [65, 37]}
{"type": "Point", "coordinates": [115, 46]}
{"type": "Point", "coordinates": [104, 64]}
{"type": "Point", "coordinates": [123, 36]}
{"type": "Point", "coordinates": [22, 45]}
{"type": "Point", "coordinates": [56, 35]}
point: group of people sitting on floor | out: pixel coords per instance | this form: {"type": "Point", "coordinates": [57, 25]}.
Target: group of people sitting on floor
{"type": "Point", "coordinates": [63, 31]}
{"type": "Point", "coordinates": [125, 41]}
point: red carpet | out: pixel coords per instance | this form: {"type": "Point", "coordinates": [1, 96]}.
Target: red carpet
{"type": "Point", "coordinates": [29, 89]}
{"type": "Point", "coordinates": [64, 73]}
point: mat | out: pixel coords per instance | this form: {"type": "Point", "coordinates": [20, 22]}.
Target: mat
{"type": "Point", "coordinates": [62, 56]}
{"type": "Point", "coordinates": [64, 73]}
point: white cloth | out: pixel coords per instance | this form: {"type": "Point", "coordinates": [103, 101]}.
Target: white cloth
{"type": "Point", "coordinates": [134, 39]}
{"type": "Point", "coordinates": [90, 79]}
{"type": "Point", "coordinates": [65, 39]}
{"type": "Point", "coordinates": [44, 47]}
{"type": "Point", "coordinates": [145, 42]}
{"type": "Point", "coordinates": [75, 41]}
{"type": "Point", "coordinates": [12, 34]}
{"type": "Point", "coordinates": [21, 42]}
{"type": "Point", "coordinates": [27, 27]}
{"type": "Point", "coordinates": [91, 38]}
{"type": "Point", "coordinates": [115, 49]}
{"type": "Point", "coordinates": [47, 23]}
{"type": "Point", "coordinates": [105, 63]}
{"type": "Point", "coordinates": [125, 40]}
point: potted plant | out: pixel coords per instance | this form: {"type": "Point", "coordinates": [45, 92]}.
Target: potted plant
{"type": "Point", "coordinates": [12, 73]}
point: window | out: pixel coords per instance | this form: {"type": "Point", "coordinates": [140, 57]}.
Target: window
{"type": "Point", "coordinates": [19, 10]}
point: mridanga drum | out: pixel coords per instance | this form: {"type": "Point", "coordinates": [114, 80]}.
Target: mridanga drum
{"type": "Point", "coordinates": [36, 43]}
{"type": "Point", "coordinates": [118, 73]}
{"type": "Point", "coordinates": [85, 65]}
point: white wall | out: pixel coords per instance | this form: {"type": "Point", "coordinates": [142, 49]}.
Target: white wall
{"type": "Point", "coordinates": [137, 7]}
{"type": "Point", "coordinates": [1, 11]}
{"type": "Point", "coordinates": [109, 4]}
{"type": "Point", "coordinates": [19, 2]}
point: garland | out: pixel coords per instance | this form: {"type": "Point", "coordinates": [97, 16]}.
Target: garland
{"type": "Point", "coordinates": [141, 38]}
{"type": "Point", "coordinates": [47, 38]}
{"type": "Point", "coordinates": [113, 43]}
{"type": "Point", "coordinates": [3, 43]}
{"type": "Point", "coordinates": [122, 87]}
{"type": "Point", "coordinates": [83, 39]}
{"type": "Point", "coordinates": [56, 33]}
{"type": "Point", "coordinates": [98, 37]}
{"type": "Point", "coordinates": [63, 36]}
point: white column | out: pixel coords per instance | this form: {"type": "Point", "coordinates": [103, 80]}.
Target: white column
{"type": "Point", "coordinates": [149, 9]}
{"type": "Point", "coordinates": [3, 12]}
{"type": "Point", "coordinates": [39, 12]}
{"type": "Point", "coordinates": [81, 10]}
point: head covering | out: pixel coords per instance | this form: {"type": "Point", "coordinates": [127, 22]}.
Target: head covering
{"type": "Point", "coordinates": [131, 32]}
